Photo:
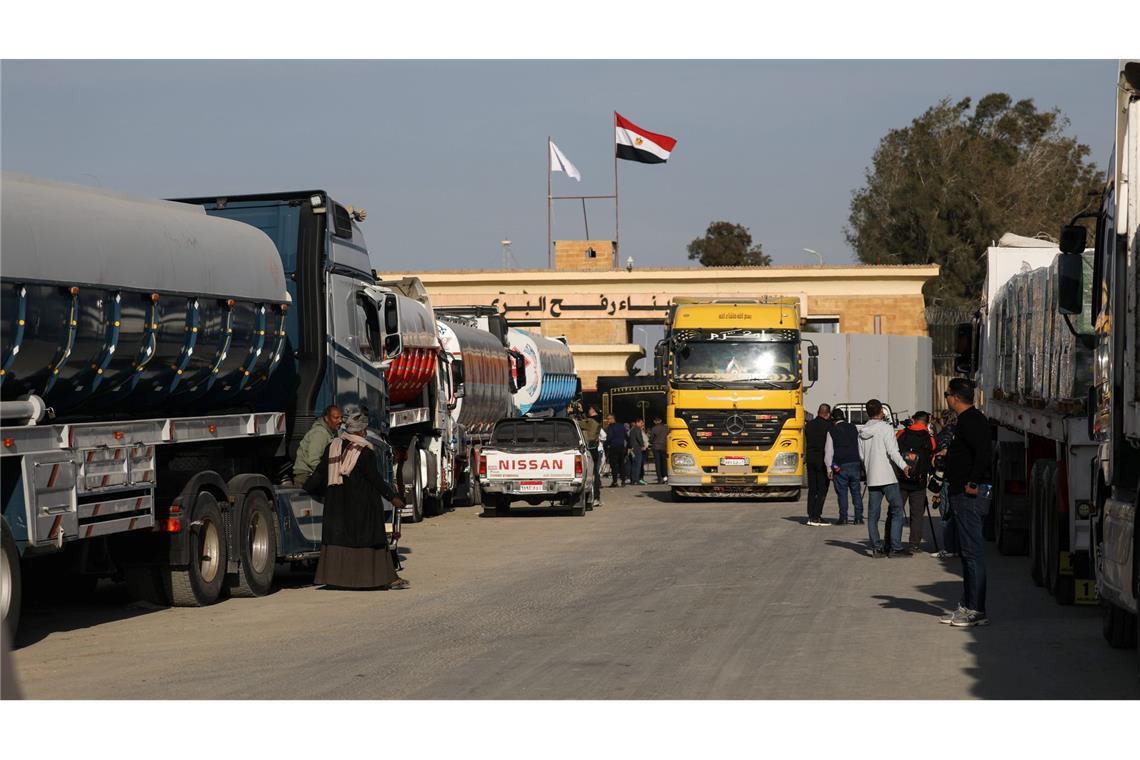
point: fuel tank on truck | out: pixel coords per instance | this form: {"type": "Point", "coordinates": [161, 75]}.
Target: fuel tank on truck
{"type": "Point", "coordinates": [117, 305]}
{"type": "Point", "coordinates": [550, 380]}
{"type": "Point", "coordinates": [415, 366]}
{"type": "Point", "coordinates": [486, 376]}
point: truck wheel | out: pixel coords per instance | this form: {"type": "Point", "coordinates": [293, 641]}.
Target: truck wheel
{"type": "Point", "coordinates": [578, 509]}
{"type": "Point", "coordinates": [199, 583]}
{"type": "Point", "coordinates": [1062, 587]}
{"type": "Point", "coordinates": [257, 550]}
{"type": "Point", "coordinates": [413, 471]}
{"type": "Point", "coordinates": [1118, 626]}
{"type": "Point", "coordinates": [1036, 523]}
{"type": "Point", "coordinates": [11, 590]}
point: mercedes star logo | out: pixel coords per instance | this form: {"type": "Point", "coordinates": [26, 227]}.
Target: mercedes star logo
{"type": "Point", "coordinates": [734, 424]}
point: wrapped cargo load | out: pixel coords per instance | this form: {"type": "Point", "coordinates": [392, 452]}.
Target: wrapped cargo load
{"type": "Point", "coordinates": [112, 303]}
{"type": "Point", "coordinates": [411, 371]}
{"type": "Point", "coordinates": [551, 383]}
{"type": "Point", "coordinates": [1072, 358]}
{"type": "Point", "coordinates": [486, 376]}
{"type": "Point", "coordinates": [1037, 321]}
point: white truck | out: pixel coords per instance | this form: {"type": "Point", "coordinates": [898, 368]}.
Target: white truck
{"type": "Point", "coordinates": [536, 460]}
{"type": "Point", "coordinates": [1113, 402]}
{"type": "Point", "coordinates": [1033, 368]}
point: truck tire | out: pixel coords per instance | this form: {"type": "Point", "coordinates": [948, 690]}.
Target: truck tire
{"type": "Point", "coordinates": [257, 548]}
{"type": "Point", "coordinates": [412, 470]}
{"type": "Point", "coordinates": [1061, 587]}
{"type": "Point", "coordinates": [199, 583]}
{"type": "Point", "coordinates": [1009, 542]}
{"type": "Point", "coordinates": [11, 588]}
{"type": "Point", "coordinates": [434, 506]}
{"type": "Point", "coordinates": [1036, 523]}
{"type": "Point", "coordinates": [1118, 626]}
{"type": "Point", "coordinates": [578, 508]}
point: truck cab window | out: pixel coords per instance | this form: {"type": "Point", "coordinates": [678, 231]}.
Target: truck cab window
{"type": "Point", "coordinates": [368, 323]}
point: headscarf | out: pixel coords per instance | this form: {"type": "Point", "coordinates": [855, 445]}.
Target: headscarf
{"type": "Point", "coordinates": [345, 449]}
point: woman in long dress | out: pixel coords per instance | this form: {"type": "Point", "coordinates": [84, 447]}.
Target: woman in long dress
{"type": "Point", "coordinates": [354, 545]}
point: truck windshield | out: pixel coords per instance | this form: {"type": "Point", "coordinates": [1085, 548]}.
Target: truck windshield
{"type": "Point", "coordinates": [535, 432]}
{"type": "Point", "coordinates": [763, 363]}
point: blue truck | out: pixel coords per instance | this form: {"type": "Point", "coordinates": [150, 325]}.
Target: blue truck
{"type": "Point", "coordinates": [159, 363]}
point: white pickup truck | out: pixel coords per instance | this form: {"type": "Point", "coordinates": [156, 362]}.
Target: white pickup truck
{"type": "Point", "coordinates": [536, 460]}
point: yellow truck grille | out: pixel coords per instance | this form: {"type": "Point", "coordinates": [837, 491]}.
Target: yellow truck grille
{"type": "Point", "coordinates": [754, 429]}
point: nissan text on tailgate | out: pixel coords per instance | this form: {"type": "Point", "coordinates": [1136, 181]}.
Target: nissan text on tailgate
{"type": "Point", "coordinates": [536, 460]}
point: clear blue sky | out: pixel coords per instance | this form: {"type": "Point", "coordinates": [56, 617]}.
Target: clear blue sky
{"type": "Point", "coordinates": [449, 157]}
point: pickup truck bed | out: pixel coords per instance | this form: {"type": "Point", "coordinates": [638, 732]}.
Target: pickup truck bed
{"type": "Point", "coordinates": [536, 460]}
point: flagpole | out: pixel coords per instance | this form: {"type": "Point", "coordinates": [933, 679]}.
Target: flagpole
{"type": "Point", "coordinates": [549, 203]}
{"type": "Point", "coordinates": [617, 203]}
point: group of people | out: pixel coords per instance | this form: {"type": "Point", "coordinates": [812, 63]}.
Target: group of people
{"type": "Point", "coordinates": [902, 466]}
{"type": "Point", "coordinates": [625, 446]}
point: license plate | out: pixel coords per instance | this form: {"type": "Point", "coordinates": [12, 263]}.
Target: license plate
{"type": "Point", "coordinates": [733, 461]}
{"type": "Point", "coordinates": [531, 486]}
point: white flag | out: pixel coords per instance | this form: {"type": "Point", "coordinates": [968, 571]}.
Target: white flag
{"type": "Point", "coordinates": [559, 163]}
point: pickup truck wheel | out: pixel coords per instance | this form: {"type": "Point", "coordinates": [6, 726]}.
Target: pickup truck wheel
{"type": "Point", "coordinates": [578, 509]}
{"type": "Point", "coordinates": [258, 548]}
{"type": "Point", "coordinates": [199, 583]}
{"type": "Point", "coordinates": [10, 589]}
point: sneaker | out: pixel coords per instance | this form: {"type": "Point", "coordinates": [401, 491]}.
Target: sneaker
{"type": "Point", "coordinates": [943, 554]}
{"type": "Point", "coordinates": [666, 480]}
{"type": "Point", "coordinates": [949, 616]}
{"type": "Point", "coordinates": [969, 619]}
{"type": "Point", "coordinates": [642, 483]}
{"type": "Point", "coordinates": [397, 584]}
{"type": "Point", "coordinates": [842, 521]}
{"type": "Point", "coordinates": [812, 523]}
{"type": "Point", "coordinates": [858, 521]}
{"type": "Point", "coordinates": [903, 552]}
{"type": "Point", "coordinates": [878, 553]}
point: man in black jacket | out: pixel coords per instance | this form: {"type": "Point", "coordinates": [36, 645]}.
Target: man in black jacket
{"type": "Point", "coordinates": [815, 439]}
{"type": "Point", "coordinates": [967, 473]}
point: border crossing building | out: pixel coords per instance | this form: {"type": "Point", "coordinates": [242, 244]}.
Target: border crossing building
{"type": "Point", "coordinates": [596, 304]}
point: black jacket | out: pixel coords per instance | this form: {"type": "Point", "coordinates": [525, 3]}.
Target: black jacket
{"type": "Point", "coordinates": [815, 440]}
{"type": "Point", "coordinates": [354, 514]}
{"type": "Point", "coordinates": [969, 455]}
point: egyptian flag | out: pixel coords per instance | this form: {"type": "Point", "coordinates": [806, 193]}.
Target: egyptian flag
{"type": "Point", "coordinates": [637, 144]}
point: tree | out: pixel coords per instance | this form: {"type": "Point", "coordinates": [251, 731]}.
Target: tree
{"type": "Point", "coordinates": [940, 190]}
{"type": "Point", "coordinates": [728, 245]}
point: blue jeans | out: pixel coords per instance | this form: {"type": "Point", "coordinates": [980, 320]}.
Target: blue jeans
{"type": "Point", "coordinates": [847, 478]}
{"type": "Point", "coordinates": [637, 472]}
{"type": "Point", "coordinates": [875, 496]}
{"type": "Point", "coordinates": [969, 514]}
{"type": "Point", "coordinates": [659, 464]}
{"type": "Point", "coordinates": [949, 529]}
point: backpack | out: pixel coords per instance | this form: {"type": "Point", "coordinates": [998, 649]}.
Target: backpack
{"type": "Point", "coordinates": [914, 445]}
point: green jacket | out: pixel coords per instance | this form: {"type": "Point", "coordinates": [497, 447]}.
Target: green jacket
{"type": "Point", "coordinates": [590, 428]}
{"type": "Point", "coordinates": [312, 446]}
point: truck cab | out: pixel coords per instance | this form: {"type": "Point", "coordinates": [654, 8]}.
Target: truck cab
{"type": "Point", "coordinates": [735, 404]}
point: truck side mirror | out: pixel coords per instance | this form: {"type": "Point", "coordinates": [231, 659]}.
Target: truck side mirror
{"type": "Point", "coordinates": [393, 343]}
{"type": "Point", "coordinates": [1073, 238]}
{"type": "Point", "coordinates": [964, 348]}
{"type": "Point", "coordinates": [1070, 290]}
{"type": "Point", "coordinates": [457, 378]}
{"type": "Point", "coordinates": [813, 369]}
{"type": "Point", "coordinates": [519, 364]}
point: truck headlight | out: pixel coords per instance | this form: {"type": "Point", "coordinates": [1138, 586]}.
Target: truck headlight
{"type": "Point", "coordinates": [786, 462]}
{"type": "Point", "coordinates": [683, 462]}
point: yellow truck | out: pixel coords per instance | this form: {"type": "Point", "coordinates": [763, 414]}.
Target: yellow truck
{"type": "Point", "coordinates": [736, 397]}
